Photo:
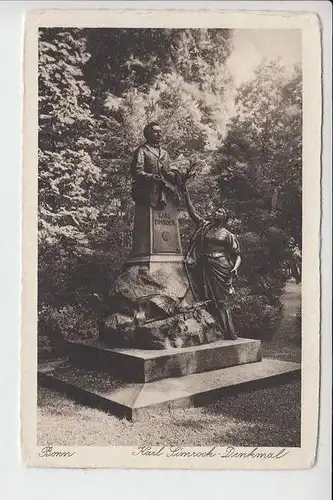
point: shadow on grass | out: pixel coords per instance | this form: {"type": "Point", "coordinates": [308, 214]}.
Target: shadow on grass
{"type": "Point", "coordinates": [264, 417]}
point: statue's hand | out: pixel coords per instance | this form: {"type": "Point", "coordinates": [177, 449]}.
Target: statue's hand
{"type": "Point", "coordinates": [234, 272]}
{"type": "Point", "coordinates": [155, 177]}
{"type": "Point", "coordinates": [157, 180]}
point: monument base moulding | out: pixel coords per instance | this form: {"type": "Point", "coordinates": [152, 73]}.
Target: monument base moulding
{"type": "Point", "coordinates": [146, 365]}
{"type": "Point", "coordinates": [133, 400]}
{"type": "Point", "coordinates": [129, 383]}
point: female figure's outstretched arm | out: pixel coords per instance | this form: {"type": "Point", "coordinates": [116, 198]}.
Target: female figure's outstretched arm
{"type": "Point", "coordinates": [190, 208]}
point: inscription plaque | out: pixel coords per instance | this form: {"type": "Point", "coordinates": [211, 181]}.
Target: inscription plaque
{"type": "Point", "coordinates": [165, 230]}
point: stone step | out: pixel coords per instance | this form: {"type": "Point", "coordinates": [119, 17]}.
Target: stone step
{"type": "Point", "coordinates": [139, 365]}
{"type": "Point", "coordinates": [133, 400]}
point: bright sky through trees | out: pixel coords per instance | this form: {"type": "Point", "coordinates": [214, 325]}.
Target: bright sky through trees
{"type": "Point", "coordinates": [251, 46]}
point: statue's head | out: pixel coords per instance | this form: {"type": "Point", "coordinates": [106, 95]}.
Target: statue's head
{"type": "Point", "coordinates": [220, 216]}
{"type": "Point", "coordinates": [152, 133]}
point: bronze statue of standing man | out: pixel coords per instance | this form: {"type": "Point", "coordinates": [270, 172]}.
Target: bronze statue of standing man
{"type": "Point", "coordinates": [154, 180]}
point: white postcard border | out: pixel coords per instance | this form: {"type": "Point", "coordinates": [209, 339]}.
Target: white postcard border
{"type": "Point", "coordinates": [120, 457]}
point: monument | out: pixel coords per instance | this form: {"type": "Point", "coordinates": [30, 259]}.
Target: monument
{"type": "Point", "coordinates": [151, 303]}
{"type": "Point", "coordinates": [167, 337]}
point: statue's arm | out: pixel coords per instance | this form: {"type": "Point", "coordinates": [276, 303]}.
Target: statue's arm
{"type": "Point", "coordinates": [190, 208]}
{"type": "Point", "coordinates": [235, 249]}
{"type": "Point", "coordinates": [237, 263]}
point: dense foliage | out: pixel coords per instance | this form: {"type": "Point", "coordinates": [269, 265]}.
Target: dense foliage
{"type": "Point", "coordinates": [97, 89]}
{"type": "Point", "coordinates": [259, 174]}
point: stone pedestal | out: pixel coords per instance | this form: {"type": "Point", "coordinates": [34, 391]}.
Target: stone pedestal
{"type": "Point", "coordinates": [230, 370]}
{"type": "Point", "coordinates": [151, 302]}
{"type": "Point", "coordinates": [146, 365]}
{"type": "Point", "coordinates": [156, 237]}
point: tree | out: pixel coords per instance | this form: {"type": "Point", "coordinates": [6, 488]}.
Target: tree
{"type": "Point", "coordinates": [263, 149]}
{"type": "Point", "coordinates": [67, 173]}
{"type": "Point", "coordinates": [260, 176]}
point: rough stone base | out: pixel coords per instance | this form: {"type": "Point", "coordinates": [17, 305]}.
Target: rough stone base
{"type": "Point", "coordinates": [134, 400]}
{"type": "Point", "coordinates": [184, 330]}
{"type": "Point", "coordinates": [146, 365]}
{"type": "Point", "coordinates": [151, 306]}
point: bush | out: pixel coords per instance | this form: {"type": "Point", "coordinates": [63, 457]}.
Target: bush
{"type": "Point", "coordinates": [72, 286]}
{"type": "Point", "coordinates": [68, 323]}
{"type": "Point", "coordinates": [254, 315]}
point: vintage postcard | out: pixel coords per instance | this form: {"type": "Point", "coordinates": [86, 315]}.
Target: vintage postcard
{"type": "Point", "coordinates": [171, 239]}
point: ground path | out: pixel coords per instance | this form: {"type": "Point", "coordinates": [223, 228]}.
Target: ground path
{"type": "Point", "coordinates": [286, 341]}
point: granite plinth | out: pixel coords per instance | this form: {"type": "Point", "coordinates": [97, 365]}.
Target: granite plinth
{"type": "Point", "coordinates": [153, 291]}
{"type": "Point", "coordinates": [156, 231]}
{"type": "Point", "coordinates": [139, 365]}
{"type": "Point", "coordinates": [134, 400]}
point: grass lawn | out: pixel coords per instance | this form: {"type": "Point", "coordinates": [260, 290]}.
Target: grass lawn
{"type": "Point", "coordinates": [265, 417]}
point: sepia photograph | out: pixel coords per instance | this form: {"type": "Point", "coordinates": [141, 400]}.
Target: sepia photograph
{"type": "Point", "coordinates": [170, 241]}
